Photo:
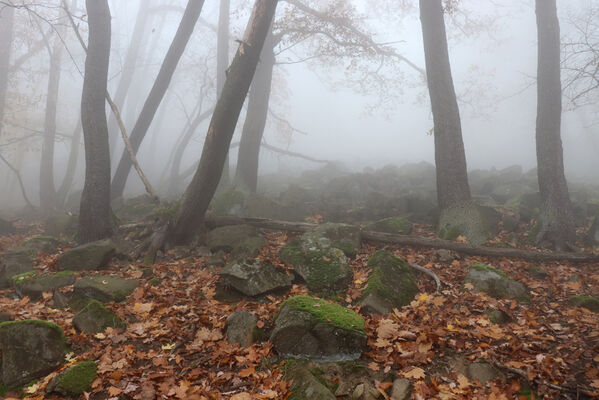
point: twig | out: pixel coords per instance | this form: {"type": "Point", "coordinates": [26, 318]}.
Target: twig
{"type": "Point", "coordinates": [429, 273]}
{"type": "Point", "coordinates": [18, 174]}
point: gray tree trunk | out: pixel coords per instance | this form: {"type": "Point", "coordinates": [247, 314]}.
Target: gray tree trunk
{"type": "Point", "coordinates": [69, 176]}
{"type": "Point", "coordinates": [222, 63]}
{"type": "Point", "coordinates": [175, 51]}
{"type": "Point", "coordinates": [95, 221]}
{"type": "Point", "coordinates": [6, 33]}
{"type": "Point", "coordinates": [556, 218]}
{"type": "Point", "coordinates": [222, 125]}
{"type": "Point", "coordinates": [450, 158]}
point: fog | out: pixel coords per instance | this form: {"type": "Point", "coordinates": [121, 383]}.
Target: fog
{"type": "Point", "coordinates": [317, 108]}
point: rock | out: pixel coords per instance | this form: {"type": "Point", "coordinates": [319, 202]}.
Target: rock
{"type": "Point", "coordinates": [241, 328]}
{"type": "Point", "coordinates": [229, 238]}
{"type": "Point", "coordinates": [390, 285]}
{"type": "Point", "coordinates": [41, 244]}
{"type": "Point", "coordinates": [228, 202]}
{"type": "Point", "coordinates": [527, 204]}
{"type": "Point", "coordinates": [537, 272]}
{"type": "Point", "coordinates": [96, 318]}
{"type": "Point", "coordinates": [344, 237]}
{"type": "Point", "coordinates": [90, 256]}
{"type": "Point", "coordinates": [402, 389]}
{"type": "Point", "coordinates": [358, 392]}
{"type": "Point", "coordinates": [31, 349]}
{"type": "Point", "coordinates": [310, 328]}
{"type": "Point", "coordinates": [134, 209]}
{"type": "Point", "coordinates": [6, 228]}
{"type": "Point", "coordinates": [593, 233]}
{"type": "Point", "coordinates": [509, 223]}
{"type": "Point", "coordinates": [61, 225]}
{"type": "Point", "coordinates": [588, 302]}
{"type": "Point", "coordinates": [482, 371]}
{"type": "Point", "coordinates": [322, 266]}
{"type": "Point", "coordinates": [498, 316]}
{"type": "Point", "coordinates": [33, 285]}
{"type": "Point", "coordinates": [5, 316]}
{"type": "Point", "coordinates": [74, 380]}
{"type": "Point", "coordinates": [445, 256]}
{"type": "Point", "coordinates": [494, 282]}
{"type": "Point", "coordinates": [217, 259]}
{"type": "Point", "coordinates": [105, 288]}
{"type": "Point", "coordinates": [477, 223]}
{"type": "Point", "coordinates": [60, 300]}
{"type": "Point", "coordinates": [254, 278]}
{"type": "Point", "coordinates": [396, 225]}
{"type": "Point", "coordinates": [15, 261]}
{"type": "Point", "coordinates": [305, 384]}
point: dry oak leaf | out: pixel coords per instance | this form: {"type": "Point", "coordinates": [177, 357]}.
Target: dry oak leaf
{"type": "Point", "coordinates": [414, 373]}
{"type": "Point", "coordinates": [208, 335]}
{"type": "Point", "coordinates": [387, 329]}
{"type": "Point", "coordinates": [114, 391]}
{"type": "Point", "coordinates": [241, 396]}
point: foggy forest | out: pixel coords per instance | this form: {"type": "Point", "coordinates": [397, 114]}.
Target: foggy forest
{"type": "Point", "coordinates": [299, 199]}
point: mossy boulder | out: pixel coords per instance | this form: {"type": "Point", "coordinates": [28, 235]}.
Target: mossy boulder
{"type": "Point", "coordinates": [390, 285]}
{"type": "Point", "coordinates": [254, 278]}
{"type": "Point", "coordinates": [498, 316]}
{"type": "Point", "coordinates": [241, 328]}
{"type": "Point", "coordinates": [311, 328]}
{"type": "Point", "coordinates": [398, 225]}
{"type": "Point", "coordinates": [228, 202]}
{"type": "Point", "coordinates": [509, 223]}
{"type": "Point", "coordinates": [15, 261]}
{"type": "Point", "coordinates": [94, 318]}
{"type": "Point", "coordinates": [34, 285]}
{"type": "Point", "coordinates": [496, 283]}
{"type": "Point", "coordinates": [241, 239]}
{"type": "Point", "coordinates": [134, 208]}
{"type": "Point", "coordinates": [477, 223]}
{"type": "Point", "coordinates": [346, 238]}
{"type": "Point", "coordinates": [74, 380]}
{"type": "Point", "coordinates": [305, 384]}
{"type": "Point", "coordinates": [61, 225]}
{"type": "Point", "coordinates": [482, 371]}
{"type": "Point", "coordinates": [90, 256]}
{"type": "Point", "coordinates": [323, 267]}
{"type": "Point", "coordinates": [31, 349]}
{"type": "Point", "coordinates": [6, 228]}
{"type": "Point", "coordinates": [105, 288]}
{"type": "Point", "coordinates": [588, 302]}
{"type": "Point", "coordinates": [41, 244]}
{"type": "Point", "coordinates": [528, 205]}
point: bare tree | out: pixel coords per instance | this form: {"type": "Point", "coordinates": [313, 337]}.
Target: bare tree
{"type": "Point", "coordinates": [222, 63]}
{"type": "Point", "coordinates": [556, 217]}
{"type": "Point", "coordinates": [95, 220]}
{"type": "Point", "coordinates": [6, 33]}
{"type": "Point", "coordinates": [222, 125]}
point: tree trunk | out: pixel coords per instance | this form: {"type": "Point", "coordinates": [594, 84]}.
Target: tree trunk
{"type": "Point", "coordinates": [450, 158]}
{"type": "Point", "coordinates": [175, 51]}
{"type": "Point", "coordinates": [129, 66]}
{"type": "Point", "coordinates": [47, 188]}
{"type": "Point", "coordinates": [95, 220]}
{"type": "Point", "coordinates": [69, 176]}
{"type": "Point", "coordinates": [556, 217]}
{"type": "Point", "coordinates": [246, 176]}
{"type": "Point", "coordinates": [6, 33]}
{"type": "Point", "coordinates": [222, 63]}
{"type": "Point", "coordinates": [222, 125]}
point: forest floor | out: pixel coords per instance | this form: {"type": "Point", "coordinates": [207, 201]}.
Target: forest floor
{"type": "Point", "coordinates": [174, 346]}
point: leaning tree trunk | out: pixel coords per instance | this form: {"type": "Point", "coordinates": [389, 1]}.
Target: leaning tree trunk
{"type": "Point", "coordinates": [175, 51]}
{"type": "Point", "coordinates": [6, 33]}
{"type": "Point", "coordinates": [69, 175]}
{"type": "Point", "coordinates": [246, 176]}
{"type": "Point", "coordinates": [556, 217]}
{"type": "Point", "coordinates": [47, 188]}
{"type": "Point", "coordinates": [95, 220]}
{"type": "Point", "coordinates": [222, 125]}
{"type": "Point", "coordinates": [222, 63]}
{"type": "Point", "coordinates": [450, 158]}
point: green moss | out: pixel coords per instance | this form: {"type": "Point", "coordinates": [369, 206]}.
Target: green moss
{"type": "Point", "coordinates": [78, 378]}
{"type": "Point", "coordinates": [391, 279]}
{"type": "Point", "coordinates": [22, 278]}
{"type": "Point", "coordinates": [450, 233]}
{"type": "Point", "coordinates": [329, 313]}
{"type": "Point", "coordinates": [154, 281]}
{"type": "Point", "coordinates": [170, 211]}
{"type": "Point", "coordinates": [487, 268]}
{"type": "Point", "coordinates": [392, 225]}
{"type": "Point", "coordinates": [225, 201]}
{"type": "Point", "coordinates": [588, 302]}
{"type": "Point", "coordinates": [45, 324]}
{"type": "Point", "coordinates": [103, 316]}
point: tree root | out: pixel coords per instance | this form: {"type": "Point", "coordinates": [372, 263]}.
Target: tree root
{"type": "Point", "coordinates": [429, 273]}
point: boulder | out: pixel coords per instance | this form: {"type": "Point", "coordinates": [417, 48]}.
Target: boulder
{"type": "Point", "coordinates": [510, 223]}
{"type": "Point", "coordinates": [74, 380]}
{"type": "Point", "coordinates": [344, 237]}
{"type": "Point", "coordinates": [477, 223]}
{"type": "Point", "coordinates": [322, 266]}
{"type": "Point", "coordinates": [94, 318]}
{"type": "Point", "coordinates": [494, 282]}
{"type": "Point", "coordinates": [397, 225]}
{"type": "Point", "coordinates": [15, 261]}
{"type": "Point", "coordinates": [390, 285]}
{"type": "Point", "coordinates": [254, 278]}
{"type": "Point", "coordinates": [588, 302]}
{"type": "Point", "coordinates": [61, 225]}
{"type": "Point", "coordinates": [90, 256]}
{"type": "Point", "coordinates": [34, 285]}
{"type": "Point", "coordinates": [498, 316]}
{"type": "Point", "coordinates": [135, 208]}
{"type": "Point", "coordinates": [31, 349]}
{"type": "Point", "coordinates": [41, 244]}
{"type": "Point", "coordinates": [6, 228]}
{"type": "Point", "coordinates": [310, 328]}
{"type": "Point", "coordinates": [235, 238]}
{"type": "Point", "coordinates": [228, 202]}
{"type": "Point", "coordinates": [305, 385]}
{"type": "Point", "coordinates": [105, 288]}
{"type": "Point", "coordinates": [482, 371]}
{"type": "Point", "coordinates": [402, 389]}
{"type": "Point", "coordinates": [241, 328]}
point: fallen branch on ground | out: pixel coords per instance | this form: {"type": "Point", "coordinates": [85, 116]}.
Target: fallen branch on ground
{"type": "Point", "coordinates": [429, 273]}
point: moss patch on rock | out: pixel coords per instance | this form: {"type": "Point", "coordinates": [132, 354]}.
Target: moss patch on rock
{"type": "Point", "coordinates": [588, 302]}
{"type": "Point", "coordinates": [228, 202]}
{"type": "Point", "coordinates": [477, 223]}
{"type": "Point", "coordinates": [75, 380]}
{"type": "Point", "coordinates": [392, 225]}
{"type": "Point", "coordinates": [94, 318]}
{"type": "Point", "coordinates": [328, 313]}
{"type": "Point", "coordinates": [496, 283]}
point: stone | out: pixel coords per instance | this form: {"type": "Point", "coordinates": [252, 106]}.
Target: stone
{"type": "Point", "coordinates": [537, 272]}
{"type": "Point", "coordinates": [477, 223]}
{"type": "Point", "coordinates": [305, 385]}
{"type": "Point", "coordinates": [217, 259]}
{"type": "Point", "coordinates": [61, 225]}
{"type": "Point", "coordinates": [402, 389]}
{"type": "Point", "coordinates": [310, 328]}
{"type": "Point", "coordinates": [228, 202]}
{"type": "Point", "coordinates": [482, 371]}
{"type": "Point", "coordinates": [445, 256]}
{"type": "Point", "coordinates": [593, 233]}
{"type": "Point", "coordinates": [5, 316]}
{"type": "Point", "coordinates": [495, 283]}
{"type": "Point", "coordinates": [588, 302]}
{"type": "Point", "coordinates": [510, 223]}
{"type": "Point", "coordinates": [74, 380]}
{"type": "Point", "coordinates": [31, 349]}
{"type": "Point", "coordinates": [94, 318]}
{"type": "Point", "coordinates": [135, 208]}
{"type": "Point", "coordinates": [41, 244]}
{"type": "Point", "coordinates": [6, 228]}
{"type": "Point", "coordinates": [34, 285]}
{"type": "Point", "coordinates": [15, 261]}
{"type": "Point", "coordinates": [228, 238]}
{"type": "Point", "coordinates": [344, 237]}
{"type": "Point", "coordinates": [241, 328]}
{"type": "Point", "coordinates": [396, 225]}
{"type": "Point", "coordinates": [254, 278]}
{"type": "Point", "coordinates": [358, 392]}
{"type": "Point", "coordinates": [498, 316]}
{"type": "Point", "coordinates": [105, 288]}
{"type": "Point", "coordinates": [323, 267]}
{"type": "Point", "coordinates": [390, 285]}
{"type": "Point", "coordinates": [90, 256]}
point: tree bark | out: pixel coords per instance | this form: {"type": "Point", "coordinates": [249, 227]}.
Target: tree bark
{"type": "Point", "coordinates": [65, 187]}
{"type": "Point", "coordinates": [222, 125]}
{"type": "Point", "coordinates": [556, 217]}
{"type": "Point", "coordinates": [222, 63]}
{"type": "Point", "coordinates": [6, 33]}
{"type": "Point", "coordinates": [450, 158]}
{"type": "Point", "coordinates": [95, 221]}
{"type": "Point", "coordinates": [248, 159]}
{"type": "Point", "coordinates": [175, 51]}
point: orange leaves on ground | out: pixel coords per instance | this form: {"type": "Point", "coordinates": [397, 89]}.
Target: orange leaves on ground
{"type": "Point", "coordinates": [414, 373]}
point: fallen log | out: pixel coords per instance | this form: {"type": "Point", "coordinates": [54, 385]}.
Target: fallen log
{"type": "Point", "coordinates": [409, 240]}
